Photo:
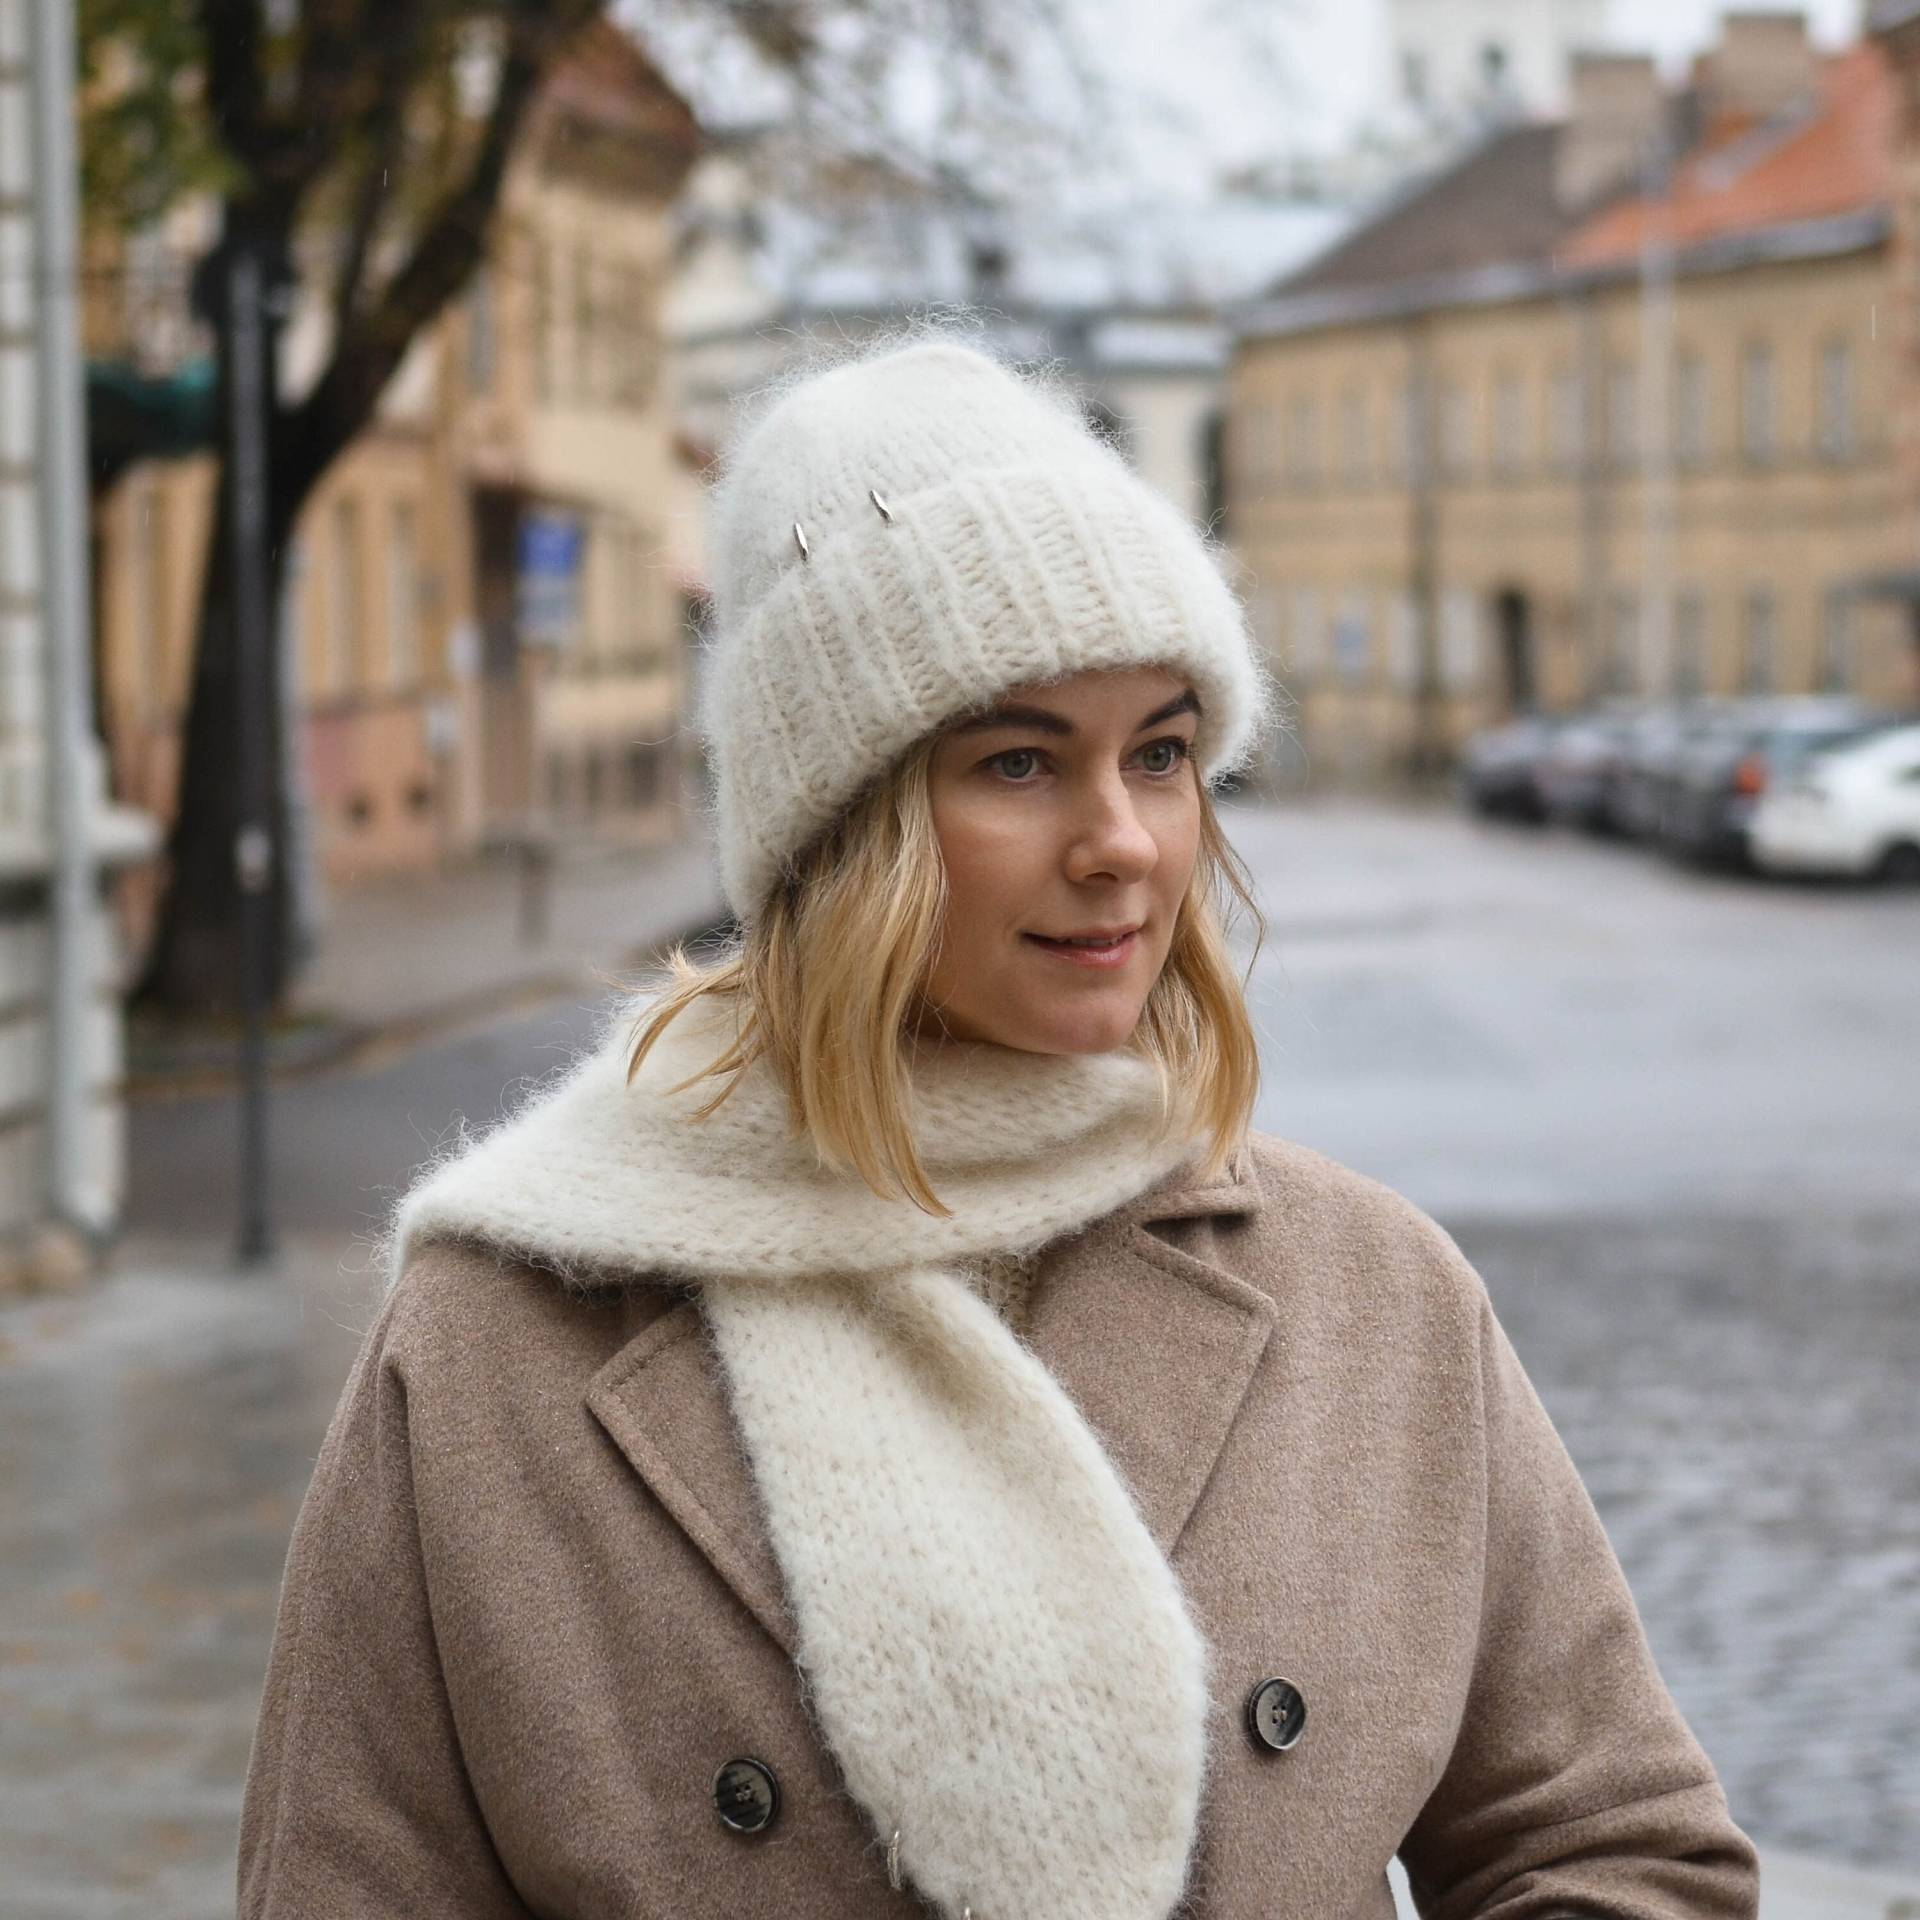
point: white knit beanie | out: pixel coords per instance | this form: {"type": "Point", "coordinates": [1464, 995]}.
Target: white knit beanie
{"type": "Point", "coordinates": [902, 539]}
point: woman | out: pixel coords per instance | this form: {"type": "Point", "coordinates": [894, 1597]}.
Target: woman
{"type": "Point", "coordinates": [881, 1434]}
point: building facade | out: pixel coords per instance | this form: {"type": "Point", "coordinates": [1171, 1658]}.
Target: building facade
{"type": "Point", "coordinates": [481, 633]}
{"type": "Point", "coordinates": [1554, 430]}
{"type": "Point", "coordinates": [62, 1114]}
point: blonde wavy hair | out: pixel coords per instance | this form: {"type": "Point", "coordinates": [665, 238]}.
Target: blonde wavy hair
{"type": "Point", "coordinates": [829, 977]}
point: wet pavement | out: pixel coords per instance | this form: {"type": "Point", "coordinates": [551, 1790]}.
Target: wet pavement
{"type": "Point", "coordinates": [1674, 1124]}
{"type": "Point", "coordinates": [156, 1437]}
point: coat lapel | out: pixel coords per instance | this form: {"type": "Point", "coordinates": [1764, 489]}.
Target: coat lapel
{"type": "Point", "coordinates": [1156, 1345]}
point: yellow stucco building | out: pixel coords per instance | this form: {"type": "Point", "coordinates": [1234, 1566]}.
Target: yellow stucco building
{"type": "Point", "coordinates": [481, 627]}
{"type": "Point", "coordinates": [1532, 437]}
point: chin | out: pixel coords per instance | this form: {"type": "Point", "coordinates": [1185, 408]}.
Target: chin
{"type": "Point", "coordinates": [1084, 1032]}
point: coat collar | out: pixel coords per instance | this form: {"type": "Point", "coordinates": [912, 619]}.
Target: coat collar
{"type": "Point", "coordinates": [1155, 1345]}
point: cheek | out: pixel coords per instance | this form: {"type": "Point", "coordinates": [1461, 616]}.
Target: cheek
{"type": "Point", "coordinates": [988, 875]}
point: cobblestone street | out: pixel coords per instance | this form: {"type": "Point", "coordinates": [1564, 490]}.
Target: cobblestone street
{"type": "Point", "coordinates": [1739, 1396]}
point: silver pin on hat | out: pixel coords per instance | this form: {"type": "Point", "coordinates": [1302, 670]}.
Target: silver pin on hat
{"type": "Point", "coordinates": [800, 540]}
{"type": "Point", "coordinates": [886, 512]}
{"type": "Point", "coordinates": [893, 1860]}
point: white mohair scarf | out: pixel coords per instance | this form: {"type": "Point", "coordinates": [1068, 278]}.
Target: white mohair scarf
{"type": "Point", "coordinates": [995, 1649]}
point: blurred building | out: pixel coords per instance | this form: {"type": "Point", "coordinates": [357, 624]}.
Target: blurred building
{"type": "Point", "coordinates": [482, 629]}
{"type": "Point", "coordinates": [1602, 408]}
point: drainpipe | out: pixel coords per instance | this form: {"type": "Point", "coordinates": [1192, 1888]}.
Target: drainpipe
{"type": "Point", "coordinates": [75, 973]}
{"type": "Point", "coordinates": [1426, 753]}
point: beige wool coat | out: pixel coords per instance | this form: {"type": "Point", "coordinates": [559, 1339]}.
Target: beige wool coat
{"type": "Point", "coordinates": [531, 1612]}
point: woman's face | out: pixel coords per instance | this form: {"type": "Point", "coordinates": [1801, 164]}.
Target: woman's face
{"type": "Point", "coordinates": [1070, 809]}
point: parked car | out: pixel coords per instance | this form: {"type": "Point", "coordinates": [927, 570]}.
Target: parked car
{"type": "Point", "coordinates": [1852, 809]}
{"type": "Point", "coordinates": [1499, 767]}
{"type": "Point", "coordinates": [1650, 761]}
{"type": "Point", "coordinates": [1742, 752]}
{"type": "Point", "coordinates": [1583, 768]}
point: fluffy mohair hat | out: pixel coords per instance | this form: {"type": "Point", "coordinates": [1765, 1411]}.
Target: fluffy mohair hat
{"type": "Point", "coordinates": [903, 537]}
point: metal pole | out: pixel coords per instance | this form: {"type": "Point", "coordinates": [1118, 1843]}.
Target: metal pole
{"type": "Point", "coordinates": [1423, 560]}
{"type": "Point", "coordinates": [1656, 422]}
{"type": "Point", "coordinates": [75, 973]}
{"type": "Point", "coordinates": [253, 850]}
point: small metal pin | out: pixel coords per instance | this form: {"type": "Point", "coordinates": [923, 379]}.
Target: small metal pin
{"type": "Point", "coordinates": [893, 1860]}
{"type": "Point", "coordinates": [886, 512]}
{"type": "Point", "coordinates": [800, 540]}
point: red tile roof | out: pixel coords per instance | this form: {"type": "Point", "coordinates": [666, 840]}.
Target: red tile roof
{"type": "Point", "coordinates": [1745, 177]}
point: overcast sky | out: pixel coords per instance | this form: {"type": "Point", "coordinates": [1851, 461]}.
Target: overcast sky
{"type": "Point", "coordinates": [1233, 81]}
{"type": "Point", "coordinates": [1337, 49]}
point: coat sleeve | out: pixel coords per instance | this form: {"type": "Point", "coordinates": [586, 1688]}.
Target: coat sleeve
{"type": "Point", "coordinates": [357, 1803]}
{"type": "Point", "coordinates": [1574, 1786]}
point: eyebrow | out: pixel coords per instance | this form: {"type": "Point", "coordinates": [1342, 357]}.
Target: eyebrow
{"type": "Point", "coordinates": [1043, 721]}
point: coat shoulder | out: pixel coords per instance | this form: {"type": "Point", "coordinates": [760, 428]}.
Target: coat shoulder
{"type": "Point", "coordinates": [461, 1310]}
{"type": "Point", "coordinates": [1319, 1216]}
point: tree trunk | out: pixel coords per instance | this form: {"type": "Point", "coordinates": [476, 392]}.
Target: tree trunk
{"type": "Point", "coordinates": [194, 965]}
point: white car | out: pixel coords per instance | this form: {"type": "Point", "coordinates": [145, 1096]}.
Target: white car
{"type": "Point", "coordinates": [1854, 810]}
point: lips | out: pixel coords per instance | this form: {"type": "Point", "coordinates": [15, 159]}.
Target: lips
{"type": "Point", "coordinates": [1111, 954]}
{"type": "Point", "coordinates": [1093, 937]}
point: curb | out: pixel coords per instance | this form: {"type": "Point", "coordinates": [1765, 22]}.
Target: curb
{"type": "Point", "coordinates": [327, 1045]}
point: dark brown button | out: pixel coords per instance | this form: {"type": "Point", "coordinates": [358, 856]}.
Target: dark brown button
{"type": "Point", "coordinates": [746, 1795]}
{"type": "Point", "coordinates": [1276, 1714]}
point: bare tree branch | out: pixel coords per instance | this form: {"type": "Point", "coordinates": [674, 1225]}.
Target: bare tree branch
{"type": "Point", "coordinates": [388, 118]}
{"type": "Point", "coordinates": [451, 244]}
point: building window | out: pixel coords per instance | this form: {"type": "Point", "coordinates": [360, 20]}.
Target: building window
{"type": "Point", "coordinates": [403, 597]}
{"type": "Point", "coordinates": [481, 333]}
{"type": "Point", "coordinates": [1353, 437]}
{"type": "Point", "coordinates": [1689, 643]}
{"type": "Point", "coordinates": [152, 545]}
{"type": "Point", "coordinates": [1568, 424]}
{"type": "Point", "coordinates": [1403, 642]}
{"type": "Point", "coordinates": [1833, 671]}
{"type": "Point", "coordinates": [1623, 418]}
{"type": "Point", "coordinates": [541, 269]}
{"type": "Point", "coordinates": [1456, 450]}
{"type": "Point", "coordinates": [1255, 435]}
{"type": "Point", "coordinates": [1352, 638]}
{"type": "Point", "coordinates": [1309, 634]}
{"type": "Point", "coordinates": [1621, 674]}
{"type": "Point", "coordinates": [643, 775]}
{"type": "Point", "coordinates": [1690, 410]}
{"type": "Point", "coordinates": [1759, 642]}
{"type": "Point", "coordinates": [343, 627]}
{"type": "Point", "coordinates": [1459, 640]}
{"type": "Point", "coordinates": [635, 335]}
{"type": "Point", "coordinates": [1509, 425]}
{"type": "Point", "coordinates": [1833, 432]}
{"type": "Point", "coordinates": [1403, 432]}
{"type": "Point", "coordinates": [1756, 402]}
{"type": "Point", "coordinates": [1303, 442]}
{"type": "Point", "coordinates": [586, 345]}
{"type": "Point", "coordinates": [293, 622]}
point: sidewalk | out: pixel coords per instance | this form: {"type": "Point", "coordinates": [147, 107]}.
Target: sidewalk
{"type": "Point", "coordinates": [404, 958]}
{"type": "Point", "coordinates": [401, 951]}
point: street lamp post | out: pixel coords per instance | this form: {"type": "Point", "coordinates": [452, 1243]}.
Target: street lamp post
{"type": "Point", "coordinates": [253, 850]}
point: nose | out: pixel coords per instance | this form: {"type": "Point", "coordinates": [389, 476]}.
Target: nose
{"type": "Point", "coordinates": [1109, 836]}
